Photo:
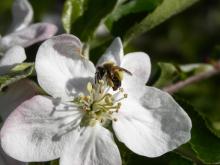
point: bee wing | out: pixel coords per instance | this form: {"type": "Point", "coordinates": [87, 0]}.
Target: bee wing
{"type": "Point", "coordinates": [125, 70]}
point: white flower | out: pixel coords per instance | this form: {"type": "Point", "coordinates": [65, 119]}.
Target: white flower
{"type": "Point", "coordinates": [72, 124]}
{"type": "Point", "coordinates": [11, 57]}
{"type": "Point", "coordinates": [21, 31]}
{"type": "Point", "coordinates": [15, 94]}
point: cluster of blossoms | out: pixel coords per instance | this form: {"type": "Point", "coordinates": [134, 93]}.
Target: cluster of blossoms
{"type": "Point", "coordinates": [20, 35]}
{"type": "Point", "coordinates": [22, 32]}
{"type": "Point", "coordinates": [86, 102]}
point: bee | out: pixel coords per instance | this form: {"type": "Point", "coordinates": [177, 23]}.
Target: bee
{"type": "Point", "coordinates": [112, 73]}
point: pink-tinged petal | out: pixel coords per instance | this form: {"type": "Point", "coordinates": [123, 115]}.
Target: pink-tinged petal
{"type": "Point", "coordinates": [138, 63]}
{"type": "Point", "coordinates": [61, 70]}
{"type": "Point", "coordinates": [22, 13]}
{"type": "Point", "coordinates": [30, 133]}
{"type": "Point", "coordinates": [94, 146]}
{"type": "Point", "coordinates": [13, 56]}
{"type": "Point", "coordinates": [113, 54]}
{"type": "Point", "coordinates": [16, 94]}
{"type": "Point", "coordinates": [153, 125]}
{"type": "Point", "coordinates": [28, 36]}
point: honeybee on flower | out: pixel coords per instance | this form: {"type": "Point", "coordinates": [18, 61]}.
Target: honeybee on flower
{"type": "Point", "coordinates": [72, 123]}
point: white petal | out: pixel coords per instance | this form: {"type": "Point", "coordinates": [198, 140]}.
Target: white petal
{"type": "Point", "coordinates": [154, 126]}
{"type": "Point", "coordinates": [114, 53]}
{"type": "Point", "coordinates": [16, 94]}
{"type": "Point", "coordinates": [13, 56]}
{"type": "Point", "coordinates": [6, 160]}
{"type": "Point", "coordinates": [29, 132]}
{"type": "Point", "coordinates": [61, 70]}
{"type": "Point", "coordinates": [94, 146]}
{"type": "Point", "coordinates": [28, 36]}
{"type": "Point", "coordinates": [22, 15]}
{"type": "Point", "coordinates": [138, 63]}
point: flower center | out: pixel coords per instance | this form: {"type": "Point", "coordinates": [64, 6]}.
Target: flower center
{"type": "Point", "coordinates": [101, 103]}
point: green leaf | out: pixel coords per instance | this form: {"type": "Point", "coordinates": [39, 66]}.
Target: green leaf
{"type": "Point", "coordinates": [133, 6]}
{"type": "Point", "coordinates": [54, 162]}
{"type": "Point", "coordinates": [164, 11]}
{"type": "Point", "coordinates": [214, 126]}
{"type": "Point", "coordinates": [71, 11]}
{"type": "Point", "coordinates": [95, 11]}
{"type": "Point", "coordinates": [205, 144]}
{"type": "Point", "coordinates": [38, 163]}
{"type": "Point", "coordinates": [18, 72]}
{"type": "Point", "coordinates": [176, 159]}
{"type": "Point", "coordinates": [168, 159]}
{"type": "Point", "coordinates": [169, 73]}
{"type": "Point", "coordinates": [5, 5]}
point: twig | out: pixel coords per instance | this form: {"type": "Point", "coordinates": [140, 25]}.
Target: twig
{"type": "Point", "coordinates": [193, 79]}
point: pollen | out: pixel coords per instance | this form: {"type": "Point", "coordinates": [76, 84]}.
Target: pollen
{"type": "Point", "coordinates": [101, 103]}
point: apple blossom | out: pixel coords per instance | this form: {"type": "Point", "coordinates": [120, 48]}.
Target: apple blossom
{"type": "Point", "coordinates": [72, 124]}
{"type": "Point", "coordinates": [22, 32]}
{"type": "Point", "coordinates": [11, 57]}
{"type": "Point", "coordinates": [15, 94]}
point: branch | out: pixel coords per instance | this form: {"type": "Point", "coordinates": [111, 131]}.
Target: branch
{"type": "Point", "coordinates": [193, 79]}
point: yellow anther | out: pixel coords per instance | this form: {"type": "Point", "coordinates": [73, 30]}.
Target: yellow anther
{"type": "Point", "coordinates": [93, 91]}
{"type": "Point", "coordinates": [87, 98]}
{"type": "Point", "coordinates": [89, 87]}
{"type": "Point", "coordinates": [100, 105]}
{"type": "Point", "coordinates": [119, 105]}
{"type": "Point", "coordinates": [121, 90]}
{"type": "Point", "coordinates": [101, 82]}
{"type": "Point", "coordinates": [108, 99]}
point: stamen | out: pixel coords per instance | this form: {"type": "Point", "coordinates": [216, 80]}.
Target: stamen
{"type": "Point", "coordinates": [100, 105]}
{"type": "Point", "coordinates": [89, 87]}
{"type": "Point", "coordinates": [121, 90]}
{"type": "Point", "coordinates": [120, 99]}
